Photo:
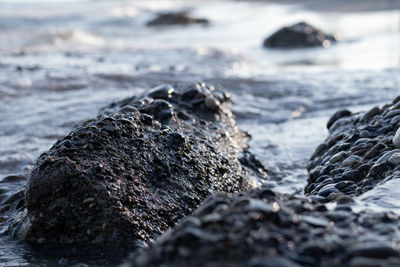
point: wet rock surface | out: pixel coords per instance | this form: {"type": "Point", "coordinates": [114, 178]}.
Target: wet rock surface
{"type": "Point", "coordinates": [128, 175]}
{"type": "Point", "coordinates": [180, 18]}
{"type": "Point", "coordinates": [264, 228]}
{"type": "Point", "coordinates": [299, 35]}
{"type": "Point", "coordinates": [361, 151]}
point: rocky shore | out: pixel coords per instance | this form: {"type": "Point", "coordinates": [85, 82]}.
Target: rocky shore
{"type": "Point", "coordinates": [361, 151]}
{"type": "Point", "coordinates": [265, 228]}
{"type": "Point", "coordinates": [128, 175]}
{"type": "Point", "coordinates": [168, 175]}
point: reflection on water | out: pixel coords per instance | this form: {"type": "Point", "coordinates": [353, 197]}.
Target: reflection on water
{"type": "Point", "coordinates": [61, 61]}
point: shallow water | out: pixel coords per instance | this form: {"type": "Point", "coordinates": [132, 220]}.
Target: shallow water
{"type": "Point", "coordinates": [61, 61]}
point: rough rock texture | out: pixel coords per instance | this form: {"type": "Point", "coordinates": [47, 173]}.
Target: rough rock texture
{"type": "Point", "coordinates": [358, 153]}
{"type": "Point", "coordinates": [263, 228]}
{"type": "Point", "coordinates": [181, 18]}
{"type": "Point", "coordinates": [128, 175]}
{"type": "Point", "coordinates": [299, 35]}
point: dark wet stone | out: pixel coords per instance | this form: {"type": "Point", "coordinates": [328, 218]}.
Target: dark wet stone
{"type": "Point", "coordinates": [364, 169]}
{"type": "Point", "coordinates": [319, 149]}
{"type": "Point", "coordinates": [146, 119]}
{"type": "Point", "coordinates": [374, 251]}
{"type": "Point", "coordinates": [374, 151]}
{"type": "Point", "coordinates": [392, 113]}
{"type": "Point", "coordinates": [180, 18]}
{"type": "Point", "coordinates": [343, 146]}
{"type": "Point", "coordinates": [249, 159]}
{"type": "Point", "coordinates": [322, 178]}
{"type": "Point", "coordinates": [327, 170]}
{"type": "Point", "coordinates": [298, 36]}
{"type": "Point", "coordinates": [361, 149]}
{"type": "Point", "coordinates": [327, 190]}
{"type": "Point", "coordinates": [310, 187]}
{"type": "Point", "coordinates": [339, 114]}
{"type": "Point", "coordinates": [341, 185]}
{"type": "Point", "coordinates": [351, 161]}
{"type": "Point", "coordinates": [369, 114]}
{"type": "Point", "coordinates": [386, 129]}
{"type": "Point", "coordinates": [176, 138]}
{"type": "Point", "coordinates": [128, 108]}
{"type": "Point", "coordinates": [134, 175]}
{"type": "Point", "coordinates": [369, 262]}
{"type": "Point", "coordinates": [354, 175]}
{"type": "Point", "coordinates": [377, 170]}
{"type": "Point", "coordinates": [192, 93]}
{"type": "Point", "coordinates": [161, 92]}
{"type": "Point", "coordinates": [314, 173]}
{"type": "Point", "coordinates": [350, 189]}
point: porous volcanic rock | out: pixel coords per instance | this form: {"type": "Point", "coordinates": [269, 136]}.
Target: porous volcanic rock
{"type": "Point", "coordinates": [264, 228]}
{"type": "Point", "coordinates": [180, 18]}
{"type": "Point", "coordinates": [128, 175]}
{"type": "Point", "coordinates": [299, 35]}
{"type": "Point", "coordinates": [359, 152]}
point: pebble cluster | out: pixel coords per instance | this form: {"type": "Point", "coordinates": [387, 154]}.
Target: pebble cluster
{"type": "Point", "coordinates": [264, 228]}
{"type": "Point", "coordinates": [128, 175]}
{"type": "Point", "coordinates": [299, 35]}
{"type": "Point", "coordinates": [361, 150]}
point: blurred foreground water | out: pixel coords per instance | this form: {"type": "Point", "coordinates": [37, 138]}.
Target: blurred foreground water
{"type": "Point", "coordinates": [61, 61]}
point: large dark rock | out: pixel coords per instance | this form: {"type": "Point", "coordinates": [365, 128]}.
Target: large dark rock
{"type": "Point", "coordinates": [128, 175]}
{"type": "Point", "coordinates": [263, 228]}
{"type": "Point", "coordinates": [360, 151]}
{"type": "Point", "coordinates": [300, 35]}
{"type": "Point", "coordinates": [180, 18]}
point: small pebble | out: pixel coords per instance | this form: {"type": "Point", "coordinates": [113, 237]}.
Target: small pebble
{"type": "Point", "coordinates": [354, 175]}
{"type": "Point", "coordinates": [164, 91]}
{"type": "Point", "coordinates": [371, 250]}
{"type": "Point", "coordinates": [128, 108]}
{"type": "Point", "coordinates": [327, 190]}
{"type": "Point", "coordinates": [395, 159]}
{"type": "Point", "coordinates": [338, 157]}
{"type": "Point", "coordinates": [339, 114]}
{"type": "Point", "coordinates": [351, 161]}
{"type": "Point", "coordinates": [371, 113]}
{"type": "Point", "coordinates": [392, 114]}
{"type": "Point", "coordinates": [364, 134]}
